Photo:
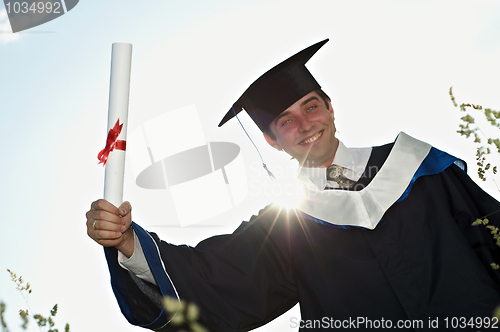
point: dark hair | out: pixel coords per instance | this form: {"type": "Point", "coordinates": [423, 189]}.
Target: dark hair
{"type": "Point", "coordinates": [321, 94]}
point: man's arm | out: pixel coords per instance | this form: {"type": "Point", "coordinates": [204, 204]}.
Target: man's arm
{"type": "Point", "coordinates": [112, 228]}
{"type": "Point", "coordinates": [222, 275]}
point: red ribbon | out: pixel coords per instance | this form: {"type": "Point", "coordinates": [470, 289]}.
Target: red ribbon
{"type": "Point", "coordinates": [112, 143]}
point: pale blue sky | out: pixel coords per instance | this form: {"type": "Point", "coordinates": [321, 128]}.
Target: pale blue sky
{"type": "Point", "coordinates": [388, 67]}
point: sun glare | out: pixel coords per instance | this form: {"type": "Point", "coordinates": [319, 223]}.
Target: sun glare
{"type": "Point", "coordinates": [288, 194]}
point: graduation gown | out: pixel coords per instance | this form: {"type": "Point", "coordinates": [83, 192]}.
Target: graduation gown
{"type": "Point", "coordinates": [424, 265]}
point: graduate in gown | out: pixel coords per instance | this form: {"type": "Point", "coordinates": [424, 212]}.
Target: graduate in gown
{"type": "Point", "coordinates": [385, 243]}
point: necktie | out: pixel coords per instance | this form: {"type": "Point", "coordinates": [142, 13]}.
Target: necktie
{"type": "Point", "coordinates": [336, 173]}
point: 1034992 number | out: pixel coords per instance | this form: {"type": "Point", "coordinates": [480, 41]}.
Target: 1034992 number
{"type": "Point", "coordinates": [475, 323]}
{"type": "Point", "coordinates": [36, 7]}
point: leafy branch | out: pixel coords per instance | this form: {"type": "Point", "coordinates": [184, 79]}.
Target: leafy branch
{"type": "Point", "coordinates": [469, 128]}
{"type": "Point", "coordinates": [494, 232]}
{"type": "Point", "coordinates": [185, 315]}
{"type": "Point", "coordinates": [42, 322]}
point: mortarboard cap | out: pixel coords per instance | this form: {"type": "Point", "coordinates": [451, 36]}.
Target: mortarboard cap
{"type": "Point", "coordinates": [277, 89]}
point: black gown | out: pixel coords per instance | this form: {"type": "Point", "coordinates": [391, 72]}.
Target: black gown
{"type": "Point", "coordinates": [424, 266]}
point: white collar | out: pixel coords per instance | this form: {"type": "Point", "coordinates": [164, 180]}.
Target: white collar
{"type": "Point", "coordinates": [366, 207]}
{"type": "Point", "coordinates": [354, 159]}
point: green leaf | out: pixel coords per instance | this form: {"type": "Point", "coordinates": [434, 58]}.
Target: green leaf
{"type": "Point", "coordinates": [178, 319]}
{"type": "Point", "coordinates": [197, 327]}
{"type": "Point", "coordinates": [467, 119]}
{"type": "Point", "coordinates": [452, 97]}
{"type": "Point", "coordinates": [53, 312]}
{"type": "Point", "coordinates": [494, 230]}
{"type": "Point", "coordinates": [480, 221]}
{"type": "Point", "coordinates": [40, 320]}
{"type": "Point", "coordinates": [4, 323]}
{"type": "Point", "coordinates": [172, 305]}
{"type": "Point", "coordinates": [192, 312]}
{"type": "Point", "coordinates": [496, 312]}
{"type": "Point", "coordinates": [477, 222]}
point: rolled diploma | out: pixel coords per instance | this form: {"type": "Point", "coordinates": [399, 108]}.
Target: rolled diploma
{"type": "Point", "coordinates": [119, 87]}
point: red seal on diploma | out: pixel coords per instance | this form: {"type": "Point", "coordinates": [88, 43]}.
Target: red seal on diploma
{"type": "Point", "coordinates": [112, 143]}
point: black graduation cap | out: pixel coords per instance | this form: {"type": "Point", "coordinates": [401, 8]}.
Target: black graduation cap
{"type": "Point", "coordinates": [277, 89]}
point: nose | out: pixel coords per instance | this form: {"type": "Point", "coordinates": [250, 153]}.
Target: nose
{"type": "Point", "coordinates": [304, 124]}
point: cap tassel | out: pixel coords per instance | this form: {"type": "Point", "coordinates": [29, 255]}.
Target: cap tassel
{"type": "Point", "coordinates": [269, 172]}
{"type": "Point", "coordinates": [263, 164]}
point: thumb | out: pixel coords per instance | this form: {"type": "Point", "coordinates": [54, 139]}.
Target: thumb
{"type": "Point", "coordinates": [124, 209]}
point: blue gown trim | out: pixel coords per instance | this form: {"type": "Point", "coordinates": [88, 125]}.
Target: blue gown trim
{"type": "Point", "coordinates": [118, 285]}
{"type": "Point", "coordinates": [154, 260]}
{"type": "Point", "coordinates": [435, 162]}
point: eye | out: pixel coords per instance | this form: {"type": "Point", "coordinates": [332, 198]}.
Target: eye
{"type": "Point", "coordinates": [311, 108]}
{"type": "Point", "coordinates": [285, 122]}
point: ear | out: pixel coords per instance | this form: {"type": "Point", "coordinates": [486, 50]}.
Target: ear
{"type": "Point", "coordinates": [330, 109]}
{"type": "Point", "coordinates": [272, 142]}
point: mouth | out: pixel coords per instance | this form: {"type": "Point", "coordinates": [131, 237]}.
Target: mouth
{"type": "Point", "coordinates": [312, 139]}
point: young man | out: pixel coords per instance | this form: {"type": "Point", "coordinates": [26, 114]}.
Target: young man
{"type": "Point", "coordinates": [382, 239]}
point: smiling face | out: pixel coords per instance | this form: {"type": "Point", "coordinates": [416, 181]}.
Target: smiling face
{"type": "Point", "coordinates": [306, 131]}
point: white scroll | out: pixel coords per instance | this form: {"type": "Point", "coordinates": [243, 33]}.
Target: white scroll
{"type": "Point", "coordinates": [114, 152]}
